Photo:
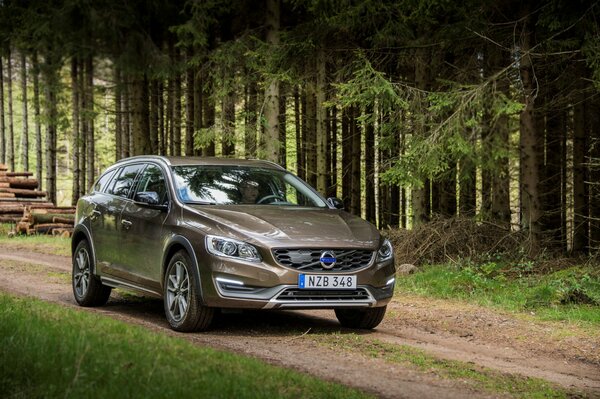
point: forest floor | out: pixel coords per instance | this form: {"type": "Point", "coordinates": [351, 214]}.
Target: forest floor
{"type": "Point", "coordinates": [313, 342]}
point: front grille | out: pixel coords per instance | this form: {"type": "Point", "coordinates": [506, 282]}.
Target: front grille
{"type": "Point", "coordinates": [309, 259]}
{"type": "Point", "coordinates": [297, 295]}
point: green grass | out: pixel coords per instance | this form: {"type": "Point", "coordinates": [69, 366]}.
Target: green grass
{"type": "Point", "coordinates": [477, 377]}
{"type": "Point", "coordinates": [50, 351]}
{"type": "Point", "coordinates": [45, 244]}
{"type": "Point", "coordinates": [571, 294]}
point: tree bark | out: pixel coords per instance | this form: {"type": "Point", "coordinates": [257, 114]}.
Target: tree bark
{"type": "Point", "coordinates": [176, 121]}
{"type": "Point", "coordinates": [355, 133]}
{"type": "Point", "coordinates": [11, 131]}
{"type": "Point", "coordinates": [90, 150]}
{"type": "Point", "coordinates": [271, 132]}
{"type": "Point", "coordinates": [154, 118]}
{"type": "Point", "coordinates": [25, 135]}
{"type": "Point", "coordinates": [198, 108]}
{"type": "Point", "coordinates": [580, 175]}
{"type": "Point", "coordinates": [75, 137]}
{"type": "Point", "coordinates": [2, 119]}
{"type": "Point", "coordinates": [332, 192]}
{"type": "Point", "coordinates": [593, 112]}
{"type": "Point", "coordinates": [251, 119]}
{"type": "Point", "coordinates": [321, 131]}
{"type": "Point", "coordinates": [282, 126]}
{"type": "Point", "coordinates": [370, 214]}
{"type": "Point", "coordinates": [420, 197]}
{"type": "Point", "coordinates": [38, 123]}
{"type": "Point", "coordinates": [140, 117]}
{"type": "Point", "coordinates": [209, 121]}
{"type": "Point", "coordinates": [300, 116]}
{"type": "Point", "coordinates": [118, 115]}
{"type": "Point", "coordinates": [529, 179]}
{"type": "Point", "coordinates": [83, 126]}
{"type": "Point", "coordinates": [346, 158]}
{"type": "Point", "coordinates": [310, 143]}
{"type": "Point", "coordinates": [189, 106]}
{"type": "Point", "coordinates": [160, 109]}
{"type": "Point", "coordinates": [51, 88]}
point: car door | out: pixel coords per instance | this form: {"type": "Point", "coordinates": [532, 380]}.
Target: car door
{"type": "Point", "coordinates": [142, 235]}
{"type": "Point", "coordinates": [106, 219]}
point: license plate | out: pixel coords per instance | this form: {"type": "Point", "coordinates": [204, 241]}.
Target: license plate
{"type": "Point", "coordinates": [326, 281]}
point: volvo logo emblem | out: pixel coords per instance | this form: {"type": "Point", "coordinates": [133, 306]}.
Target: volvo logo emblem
{"type": "Point", "coordinates": [328, 260]}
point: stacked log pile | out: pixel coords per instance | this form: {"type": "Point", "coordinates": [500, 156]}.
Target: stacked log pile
{"type": "Point", "coordinates": [23, 204]}
{"type": "Point", "coordinates": [55, 221]}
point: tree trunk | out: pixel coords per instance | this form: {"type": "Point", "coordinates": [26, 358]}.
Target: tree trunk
{"type": "Point", "coordinates": [321, 131]}
{"type": "Point", "coordinates": [310, 143]}
{"type": "Point", "coordinates": [580, 175]}
{"type": "Point", "coordinates": [160, 109]}
{"type": "Point", "coordinates": [346, 158]}
{"type": "Point", "coordinates": [2, 126]}
{"type": "Point", "coordinates": [51, 87]}
{"type": "Point", "coordinates": [420, 197]}
{"type": "Point", "coordinates": [189, 106]}
{"type": "Point", "coordinates": [251, 119]}
{"type": "Point", "coordinates": [198, 108]}
{"type": "Point", "coordinates": [370, 214]}
{"type": "Point", "coordinates": [11, 131]}
{"type": "Point", "coordinates": [176, 121]}
{"type": "Point", "coordinates": [75, 137]}
{"type": "Point", "coordinates": [501, 178]}
{"type": "Point", "coordinates": [529, 179]}
{"type": "Point", "coordinates": [90, 144]}
{"type": "Point", "coordinates": [300, 119]}
{"type": "Point", "coordinates": [209, 122]}
{"type": "Point", "coordinates": [141, 118]}
{"type": "Point", "coordinates": [169, 125]}
{"type": "Point", "coordinates": [154, 118]}
{"type": "Point", "coordinates": [126, 114]}
{"type": "Point", "coordinates": [282, 126]}
{"type": "Point", "coordinates": [593, 112]}
{"type": "Point", "coordinates": [38, 123]}
{"type": "Point", "coordinates": [118, 115]}
{"type": "Point", "coordinates": [271, 131]}
{"type": "Point", "coordinates": [83, 125]}
{"type": "Point", "coordinates": [355, 133]}
{"type": "Point", "coordinates": [25, 136]}
{"type": "Point", "coordinates": [332, 191]}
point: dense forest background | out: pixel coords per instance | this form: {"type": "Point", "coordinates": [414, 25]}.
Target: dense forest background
{"type": "Point", "coordinates": [408, 110]}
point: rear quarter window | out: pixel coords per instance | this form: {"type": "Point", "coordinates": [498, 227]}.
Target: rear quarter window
{"type": "Point", "coordinates": [102, 182]}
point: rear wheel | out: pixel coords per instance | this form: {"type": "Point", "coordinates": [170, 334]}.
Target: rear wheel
{"type": "Point", "coordinates": [181, 298]}
{"type": "Point", "coordinates": [87, 288]}
{"type": "Point", "coordinates": [360, 318]}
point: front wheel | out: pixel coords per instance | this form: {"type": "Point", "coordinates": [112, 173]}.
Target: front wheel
{"type": "Point", "coordinates": [87, 288]}
{"type": "Point", "coordinates": [181, 300]}
{"type": "Point", "coordinates": [360, 318]}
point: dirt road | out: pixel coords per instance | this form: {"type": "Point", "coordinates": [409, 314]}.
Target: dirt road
{"type": "Point", "coordinates": [448, 330]}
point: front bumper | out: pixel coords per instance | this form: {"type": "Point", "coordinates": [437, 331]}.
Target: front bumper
{"type": "Point", "coordinates": [232, 284]}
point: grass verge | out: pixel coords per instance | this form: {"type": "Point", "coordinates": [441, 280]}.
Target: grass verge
{"type": "Point", "coordinates": [45, 244]}
{"type": "Point", "coordinates": [571, 294]}
{"type": "Point", "coordinates": [50, 351]}
{"type": "Point", "coordinates": [473, 376]}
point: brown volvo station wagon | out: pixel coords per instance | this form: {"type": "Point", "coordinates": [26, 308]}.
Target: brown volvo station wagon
{"type": "Point", "coordinates": [207, 233]}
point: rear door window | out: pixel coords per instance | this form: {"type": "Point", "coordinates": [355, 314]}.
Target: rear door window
{"type": "Point", "coordinates": [153, 180]}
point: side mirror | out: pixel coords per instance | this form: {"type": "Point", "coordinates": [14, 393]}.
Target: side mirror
{"type": "Point", "coordinates": [149, 198]}
{"type": "Point", "coordinates": [335, 203]}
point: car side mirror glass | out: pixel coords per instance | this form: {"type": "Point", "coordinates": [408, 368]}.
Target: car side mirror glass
{"type": "Point", "coordinates": [148, 198]}
{"type": "Point", "coordinates": [335, 202]}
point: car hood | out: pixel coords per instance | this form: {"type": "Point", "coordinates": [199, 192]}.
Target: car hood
{"type": "Point", "coordinates": [282, 225]}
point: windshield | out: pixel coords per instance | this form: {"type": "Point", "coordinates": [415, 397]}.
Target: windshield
{"type": "Point", "coordinates": [238, 185]}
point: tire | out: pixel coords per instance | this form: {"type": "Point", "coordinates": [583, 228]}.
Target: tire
{"type": "Point", "coordinates": [181, 298]}
{"type": "Point", "coordinates": [87, 288]}
{"type": "Point", "coordinates": [360, 318]}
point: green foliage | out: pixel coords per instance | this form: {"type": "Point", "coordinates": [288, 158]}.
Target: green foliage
{"type": "Point", "coordinates": [50, 351]}
{"type": "Point", "coordinates": [569, 294]}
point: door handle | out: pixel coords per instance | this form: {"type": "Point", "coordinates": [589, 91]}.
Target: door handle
{"type": "Point", "coordinates": [126, 224]}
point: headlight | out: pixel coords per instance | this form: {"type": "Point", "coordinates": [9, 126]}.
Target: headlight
{"type": "Point", "coordinates": [385, 251]}
{"type": "Point", "coordinates": [229, 248]}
